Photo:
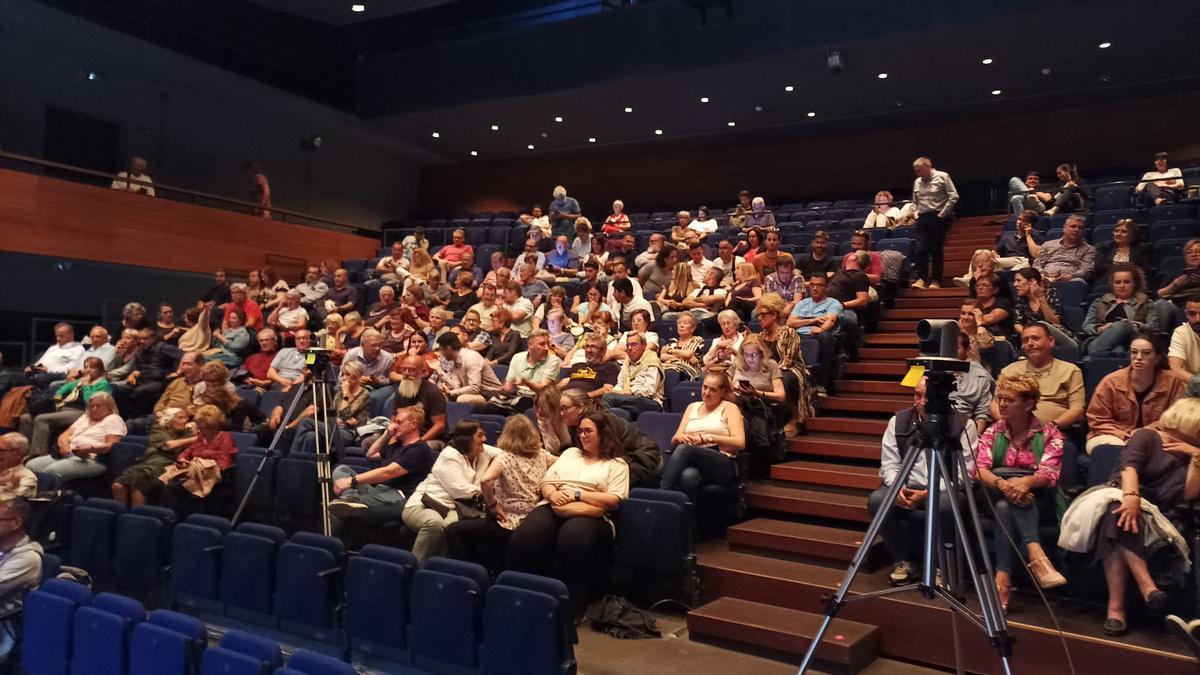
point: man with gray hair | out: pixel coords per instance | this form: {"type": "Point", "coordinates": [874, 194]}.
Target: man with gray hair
{"type": "Point", "coordinates": [97, 346]}
{"type": "Point", "coordinates": [1068, 258]}
{"type": "Point", "coordinates": [564, 211]}
{"type": "Point", "coordinates": [20, 568]}
{"type": "Point", "coordinates": [935, 196]}
{"type": "Point", "coordinates": [15, 479]}
{"type": "Point", "coordinates": [759, 216]}
{"type": "Point", "coordinates": [376, 363]}
{"type": "Point", "coordinates": [134, 180]}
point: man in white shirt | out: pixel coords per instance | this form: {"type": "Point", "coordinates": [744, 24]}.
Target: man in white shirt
{"type": "Point", "coordinates": [519, 309]}
{"type": "Point", "coordinates": [529, 372]}
{"type": "Point", "coordinates": [1163, 185]}
{"type": "Point", "coordinates": [1184, 354]}
{"type": "Point", "coordinates": [468, 376]}
{"type": "Point", "coordinates": [727, 262]}
{"type": "Point", "coordinates": [98, 347]}
{"type": "Point", "coordinates": [620, 271]}
{"type": "Point", "coordinates": [58, 359]}
{"type": "Point", "coordinates": [391, 269]}
{"type": "Point", "coordinates": [640, 383]}
{"type": "Point", "coordinates": [935, 196]}
{"type": "Point", "coordinates": [135, 179]}
{"type": "Point", "coordinates": [530, 248]}
{"type": "Point", "coordinates": [703, 223]}
{"type": "Point", "coordinates": [652, 248]}
{"type": "Point", "coordinates": [624, 304]}
{"type": "Point", "coordinates": [698, 264]}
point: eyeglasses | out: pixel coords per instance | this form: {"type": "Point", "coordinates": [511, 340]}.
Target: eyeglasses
{"type": "Point", "coordinates": [586, 432]}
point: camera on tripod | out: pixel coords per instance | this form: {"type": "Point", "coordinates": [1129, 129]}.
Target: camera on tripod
{"type": "Point", "coordinates": [317, 359]}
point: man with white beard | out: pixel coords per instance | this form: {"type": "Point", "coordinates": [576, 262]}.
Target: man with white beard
{"type": "Point", "coordinates": [409, 375]}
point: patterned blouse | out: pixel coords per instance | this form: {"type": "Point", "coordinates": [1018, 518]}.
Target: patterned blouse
{"type": "Point", "coordinates": [1020, 451]}
{"type": "Point", "coordinates": [1023, 315]}
{"type": "Point", "coordinates": [518, 490]}
{"type": "Point", "coordinates": [785, 349]}
{"type": "Point", "coordinates": [693, 344]}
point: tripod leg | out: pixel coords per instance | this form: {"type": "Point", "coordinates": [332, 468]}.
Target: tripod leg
{"type": "Point", "coordinates": [929, 573]}
{"type": "Point", "coordinates": [860, 555]}
{"type": "Point", "coordinates": [271, 449]}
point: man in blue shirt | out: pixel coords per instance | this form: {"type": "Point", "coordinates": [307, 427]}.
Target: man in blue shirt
{"type": "Point", "coordinates": [559, 258]}
{"type": "Point", "coordinates": [564, 211]}
{"type": "Point", "coordinates": [816, 317]}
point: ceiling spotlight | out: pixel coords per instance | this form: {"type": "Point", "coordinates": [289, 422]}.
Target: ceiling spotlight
{"type": "Point", "coordinates": [812, 114]}
{"type": "Point", "coordinates": [658, 132]}
{"type": "Point", "coordinates": [530, 146]}
{"type": "Point", "coordinates": [1105, 45]}
{"type": "Point", "coordinates": [557, 119]}
{"type": "Point", "coordinates": [1046, 71]}
{"type": "Point", "coordinates": [92, 76]}
{"type": "Point", "coordinates": [628, 109]}
{"type": "Point", "coordinates": [436, 135]}
{"type": "Point", "coordinates": [882, 76]}
{"type": "Point", "coordinates": [495, 127]}
{"type": "Point", "coordinates": [758, 108]}
{"type": "Point", "coordinates": [592, 139]}
{"type": "Point", "coordinates": [996, 92]}
{"type": "Point", "coordinates": [732, 124]}
{"type": "Point", "coordinates": [704, 99]}
{"type": "Point", "coordinates": [358, 8]}
{"type": "Point", "coordinates": [789, 88]}
{"type": "Point", "coordinates": [986, 62]}
{"type": "Point", "coordinates": [474, 153]}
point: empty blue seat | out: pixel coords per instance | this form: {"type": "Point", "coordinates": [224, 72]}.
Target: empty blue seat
{"type": "Point", "coordinates": [492, 425]}
{"type": "Point", "coordinates": [455, 412]}
{"type": "Point", "coordinates": [312, 663]}
{"type": "Point", "coordinates": [100, 634]}
{"type": "Point", "coordinates": [660, 426]}
{"type": "Point", "coordinates": [248, 571]}
{"type": "Point", "coordinates": [376, 615]}
{"type": "Point", "coordinates": [814, 225]}
{"type": "Point", "coordinates": [269, 401]}
{"type": "Point", "coordinates": [445, 630]}
{"type": "Point", "coordinates": [1173, 229]}
{"type": "Point", "coordinates": [265, 652]}
{"type": "Point", "coordinates": [196, 546]}
{"type": "Point", "coordinates": [555, 589]}
{"type": "Point", "coordinates": [1111, 217]}
{"type": "Point", "coordinates": [1097, 368]}
{"type": "Point", "coordinates": [48, 619]}
{"type": "Point", "coordinates": [1072, 293]}
{"type": "Point", "coordinates": [895, 244]}
{"type": "Point", "coordinates": [297, 492]}
{"type": "Point", "coordinates": [143, 548]}
{"type": "Point", "coordinates": [1110, 197]}
{"type": "Point", "coordinates": [222, 661]}
{"type": "Point", "coordinates": [523, 633]}
{"type": "Point", "coordinates": [1172, 212]}
{"type": "Point", "coordinates": [248, 395]}
{"type": "Point", "coordinates": [94, 535]}
{"type": "Point", "coordinates": [308, 585]}
{"type": "Point", "coordinates": [1167, 248]}
{"type": "Point", "coordinates": [168, 644]}
{"type": "Point", "coordinates": [1102, 234]}
{"type": "Point", "coordinates": [655, 538]}
{"type": "Point", "coordinates": [683, 394]}
{"type": "Point", "coordinates": [245, 465]}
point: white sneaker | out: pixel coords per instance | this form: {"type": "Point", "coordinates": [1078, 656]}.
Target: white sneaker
{"type": "Point", "coordinates": [902, 573]}
{"type": "Point", "coordinates": [349, 507]}
{"type": "Point", "coordinates": [918, 284]}
{"type": "Point", "coordinates": [933, 286]}
{"type": "Point", "coordinates": [962, 282]}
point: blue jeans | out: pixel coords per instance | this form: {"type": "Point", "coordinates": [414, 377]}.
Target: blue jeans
{"type": "Point", "coordinates": [634, 405]}
{"type": "Point", "coordinates": [1112, 342]}
{"type": "Point", "coordinates": [306, 438]}
{"type": "Point", "coordinates": [383, 503]}
{"type": "Point", "coordinates": [690, 468]}
{"type": "Point", "coordinates": [904, 530]}
{"type": "Point", "coordinates": [1021, 197]}
{"type": "Point", "coordinates": [68, 469]}
{"type": "Point", "coordinates": [1022, 525]}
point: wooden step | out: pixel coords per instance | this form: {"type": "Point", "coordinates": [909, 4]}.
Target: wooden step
{"type": "Point", "coordinates": [886, 354]}
{"type": "Point", "coordinates": [827, 474]}
{"type": "Point", "coordinates": [806, 539]}
{"type": "Point", "coordinates": [847, 643]}
{"type": "Point", "coordinates": [953, 292]}
{"type": "Point", "coordinates": [945, 313]}
{"type": "Point", "coordinates": [844, 445]}
{"type": "Point", "coordinates": [871, 387]}
{"type": "Point", "coordinates": [909, 338]}
{"type": "Point", "coordinates": [867, 427]}
{"type": "Point", "coordinates": [818, 503]}
{"type": "Point", "coordinates": [950, 302]}
{"type": "Point", "coordinates": [860, 403]}
{"type": "Point", "coordinates": [895, 369]}
{"type": "Point", "coordinates": [897, 327]}
{"type": "Point", "coordinates": [916, 630]}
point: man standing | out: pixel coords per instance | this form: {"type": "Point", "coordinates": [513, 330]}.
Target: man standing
{"type": "Point", "coordinates": [639, 386]}
{"type": "Point", "coordinates": [903, 532]}
{"type": "Point", "coordinates": [564, 211]}
{"type": "Point", "coordinates": [468, 376]}
{"type": "Point", "coordinates": [135, 180]}
{"type": "Point", "coordinates": [935, 196]}
{"type": "Point", "coordinates": [817, 317]}
{"type": "Point", "coordinates": [379, 494]}
{"type": "Point", "coordinates": [528, 373]}
{"type": "Point", "coordinates": [1069, 258]}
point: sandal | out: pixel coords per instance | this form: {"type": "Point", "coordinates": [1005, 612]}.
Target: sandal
{"type": "Point", "coordinates": [1115, 627]}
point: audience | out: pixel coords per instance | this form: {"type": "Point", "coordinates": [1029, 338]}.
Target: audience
{"type": "Point", "coordinates": [379, 495]}
{"type": "Point", "coordinates": [1163, 185]}
{"type": "Point", "coordinates": [785, 283]}
{"type": "Point", "coordinates": [20, 569]}
{"type": "Point", "coordinates": [92, 434]}
{"type": "Point", "coordinates": [754, 373]}
{"type": "Point", "coordinates": [151, 366]}
{"type": "Point", "coordinates": [1060, 383]}
{"type": "Point", "coordinates": [203, 471]}
{"type": "Point", "coordinates": [59, 358]}
{"type": "Point", "coordinates": [682, 353]}
{"type": "Point", "coordinates": [350, 411]}
{"type": "Point", "coordinates": [287, 367]}
{"type": "Point", "coordinates": [505, 342]}
{"type": "Point", "coordinates": [1187, 284]}
{"type": "Point", "coordinates": [528, 373]}
{"type": "Point", "coordinates": [996, 311]}
{"type": "Point", "coordinates": [135, 179]}
{"type": "Point", "coordinates": [467, 376]}
{"type": "Point", "coordinates": [70, 402]}
{"type": "Point", "coordinates": [16, 480]}
{"type": "Point", "coordinates": [1131, 398]}
{"type": "Point", "coordinates": [564, 212]}
{"type": "Point", "coordinates": [817, 260]}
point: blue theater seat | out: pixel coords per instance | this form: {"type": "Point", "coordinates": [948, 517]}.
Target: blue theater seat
{"type": "Point", "coordinates": [445, 631]}
{"type": "Point", "coordinates": [48, 620]}
{"type": "Point", "coordinates": [305, 662]}
{"type": "Point", "coordinates": [308, 585]}
{"type": "Point", "coordinates": [101, 632]}
{"type": "Point", "coordinates": [248, 572]}
{"type": "Point", "coordinates": [378, 580]}
{"type": "Point", "coordinates": [196, 553]}
{"type": "Point", "coordinates": [143, 548]}
{"type": "Point", "coordinates": [94, 536]}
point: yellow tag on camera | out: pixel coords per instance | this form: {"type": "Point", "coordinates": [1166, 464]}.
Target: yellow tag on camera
{"type": "Point", "coordinates": [913, 376]}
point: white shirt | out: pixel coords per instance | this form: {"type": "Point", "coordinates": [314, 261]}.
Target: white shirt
{"type": "Point", "coordinates": [645, 258]}
{"type": "Point", "coordinates": [523, 326]}
{"type": "Point", "coordinates": [470, 374]}
{"type": "Point", "coordinates": [88, 434]}
{"type": "Point", "coordinates": [647, 383]}
{"type": "Point", "coordinates": [699, 270]}
{"type": "Point", "coordinates": [62, 359]}
{"type": "Point", "coordinates": [541, 262]}
{"type": "Point", "coordinates": [453, 477]}
{"type": "Point", "coordinates": [1162, 179]}
{"type": "Point", "coordinates": [624, 311]}
{"type": "Point", "coordinates": [104, 352]}
{"type": "Point", "coordinates": [637, 292]}
{"type": "Point", "coordinates": [122, 182]}
{"type": "Point", "coordinates": [703, 226]}
{"type": "Point", "coordinates": [570, 472]}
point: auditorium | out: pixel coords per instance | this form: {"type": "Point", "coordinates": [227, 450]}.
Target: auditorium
{"type": "Point", "coordinates": [543, 337]}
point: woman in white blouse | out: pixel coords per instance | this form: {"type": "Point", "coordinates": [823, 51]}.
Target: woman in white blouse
{"type": "Point", "coordinates": [1163, 185]}
{"type": "Point", "coordinates": [570, 530]}
{"type": "Point", "coordinates": [87, 438]}
{"type": "Point", "coordinates": [455, 475]}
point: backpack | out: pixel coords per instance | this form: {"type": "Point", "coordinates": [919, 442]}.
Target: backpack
{"type": "Point", "coordinates": [619, 618]}
{"type": "Point", "coordinates": [764, 438]}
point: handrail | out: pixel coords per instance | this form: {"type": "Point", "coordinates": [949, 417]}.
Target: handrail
{"type": "Point", "coordinates": [194, 194]}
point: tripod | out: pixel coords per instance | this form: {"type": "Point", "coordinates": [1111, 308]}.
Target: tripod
{"type": "Point", "coordinates": [946, 471]}
{"type": "Point", "coordinates": [319, 386]}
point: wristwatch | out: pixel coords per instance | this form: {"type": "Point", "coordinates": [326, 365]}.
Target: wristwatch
{"type": "Point", "coordinates": [353, 482]}
{"type": "Point", "coordinates": [578, 495]}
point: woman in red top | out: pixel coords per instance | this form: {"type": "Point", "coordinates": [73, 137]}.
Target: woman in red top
{"type": "Point", "coordinates": [618, 222]}
{"type": "Point", "coordinates": [211, 443]}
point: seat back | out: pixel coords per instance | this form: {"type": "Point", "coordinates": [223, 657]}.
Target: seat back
{"type": "Point", "coordinates": [523, 633]}
{"type": "Point", "coordinates": [492, 425]}
{"type": "Point", "coordinates": [264, 651]}
{"type": "Point", "coordinates": [297, 492]}
{"type": "Point", "coordinates": [245, 464]}
{"type": "Point", "coordinates": [654, 533]}
{"type": "Point", "coordinates": [48, 620]}
{"type": "Point", "coordinates": [683, 394]}
{"type": "Point", "coordinates": [157, 650]}
{"type": "Point", "coordinates": [312, 663]}
{"type": "Point", "coordinates": [552, 587]}
{"type": "Point", "coordinates": [307, 586]}
{"type": "Point", "coordinates": [222, 661]}
{"type": "Point", "coordinates": [1110, 197]}
{"type": "Point", "coordinates": [101, 632]}
{"type": "Point", "coordinates": [196, 555]}
{"type": "Point", "coordinates": [248, 571]}
{"type": "Point", "coordinates": [93, 536]}
{"type": "Point", "coordinates": [445, 627]}
{"type": "Point", "coordinates": [659, 426]}
{"type": "Point", "coordinates": [377, 611]}
{"type": "Point", "coordinates": [142, 546]}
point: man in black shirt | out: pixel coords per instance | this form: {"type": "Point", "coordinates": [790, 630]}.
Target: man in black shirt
{"type": "Point", "coordinates": [595, 377]}
{"type": "Point", "coordinates": [818, 260]}
{"type": "Point", "coordinates": [413, 387]}
{"type": "Point", "coordinates": [379, 494]}
{"type": "Point", "coordinates": [851, 287]}
{"type": "Point", "coordinates": [140, 391]}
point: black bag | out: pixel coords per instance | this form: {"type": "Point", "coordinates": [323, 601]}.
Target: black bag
{"type": "Point", "coordinates": [619, 618]}
{"type": "Point", "coordinates": [763, 435]}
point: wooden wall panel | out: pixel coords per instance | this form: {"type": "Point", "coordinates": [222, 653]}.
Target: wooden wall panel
{"type": "Point", "coordinates": [47, 216]}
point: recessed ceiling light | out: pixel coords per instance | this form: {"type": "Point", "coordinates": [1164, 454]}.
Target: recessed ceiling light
{"type": "Point", "coordinates": [1046, 71]}
{"type": "Point", "coordinates": [495, 127]}
{"type": "Point", "coordinates": [1105, 45]}
{"type": "Point", "coordinates": [996, 92]}
{"type": "Point", "coordinates": [474, 153]}
{"type": "Point", "coordinates": [882, 76]}
{"type": "Point", "coordinates": [704, 99]}
{"type": "Point", "coordinates": [986, 62]}
{"type": "Point", "coordinates": [557, 119]}
{"type": "Point", "coordinates": [812, 114]}
{"type": "Point", "coordinates": [758, 108]}
{"type": "Point", "coordinates": [629, 110]}
{"type": "Point", "coordinates": [732, 124]}
{"type": "Point", "coordinates": [592, 139]}
{"type": "Point", "coordinates": [789, 88]}
{"type": "Point", "coordinates": [658, 132]}
{"type": "Point", "coordinates": [436, 135]}
{"type": "Point", "coordinates": [358, 8]}
{"type": "Point", "coordinates": [530, 146]}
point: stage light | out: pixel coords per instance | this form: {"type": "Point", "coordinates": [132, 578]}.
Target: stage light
{"type": "Point", "coordinates": [592, 139]}
{"type": "Point", "coordinates": [882, 76]}
{"type": "Point", "coordinates": [474, 153]}
{"type": "Point", "coordinates": [436, 135]}
{"type": "Point", "coordinates": [704, 99]}
{"type": "Point", "coordinates": [732, 124]}
{"type": "Point", "coordinates": [495, 127]}
{"type": "Point", "coordinates": [812, 114]}
{"type": "Point", "coordinates": [789, 88]}
{"type": "Point", "coordinates": [1105, 45]}
{"type": "Point", "coordinates": [358, 8]}
{"type": "Point", "coordinates": [629, 110]}
{"type": "Point", "coordinates": [658, 132]}
{"type": "Point", "coordinates": [996, 92]}
{"type": "Point", "coordinates": [986, 62]}
{"type": "Point", "coordinates": [530, 146]}
{"type": "Point", "coordinates": [558, 119]}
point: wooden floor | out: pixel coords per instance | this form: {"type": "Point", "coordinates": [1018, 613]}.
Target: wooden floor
{"type": "Point", "coordinates": [764, 586]}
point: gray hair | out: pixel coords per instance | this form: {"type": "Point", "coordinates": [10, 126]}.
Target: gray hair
{"type": "Point", "coordinates": [559, 191]}
{"type": "Point", "coordinates": [353, 368]}
{"type": "Point", "coordinates": [267, 332]}
{"type": "Point", "coordinates": [758, 201]}
{"type": "Point", "coordinates": [731, 315]}
{"type": "Point", "coordinates": [107, 400]}
{"type": "Point", "coordinates": [683, 214]}
{"type": "Point", "coordinates": [370, 334]}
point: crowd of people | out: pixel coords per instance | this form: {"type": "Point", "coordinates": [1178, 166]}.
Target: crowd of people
{"type": "Point", "coordinates": [578, 336]}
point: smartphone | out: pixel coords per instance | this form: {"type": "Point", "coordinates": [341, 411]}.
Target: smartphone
{"type": "Point", "coordinates": [745, 384]}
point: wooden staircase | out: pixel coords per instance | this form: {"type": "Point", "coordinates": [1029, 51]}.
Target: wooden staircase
{"type": "Point", "coordinates": [765, 589]}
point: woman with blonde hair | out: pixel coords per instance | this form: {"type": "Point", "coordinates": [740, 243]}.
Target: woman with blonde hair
{"type": "Point", "coordinates": [327, 337]}
{"type": "Point", "coordinates": [421, 268]}
{"type": "Point", "coordinates": [783, 345]}
{"type": "Point", "coordinates": [92, 435]}
{"type": "Point", "coordinates": [582, 246]}
{"type": "Point", "coordinates": [547, 407]}
{"type": "Point", "coordinates": [352, 330]}
{"type": "Point", "coordinates": [1018, 462]}
{"type": "Point", "coordinates": [747, 289]}
{"type": "Point", "coordinates": [671, 297]}
{"type": "Point", "coordinates": [511, 486]}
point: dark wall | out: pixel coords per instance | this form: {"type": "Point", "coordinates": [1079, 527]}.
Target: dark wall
{"type": "Point", "coordinates": [1117, 136]}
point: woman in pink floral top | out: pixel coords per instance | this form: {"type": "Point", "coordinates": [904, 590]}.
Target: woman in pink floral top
{"type": "Point", "coordinates": [1018, 462]}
